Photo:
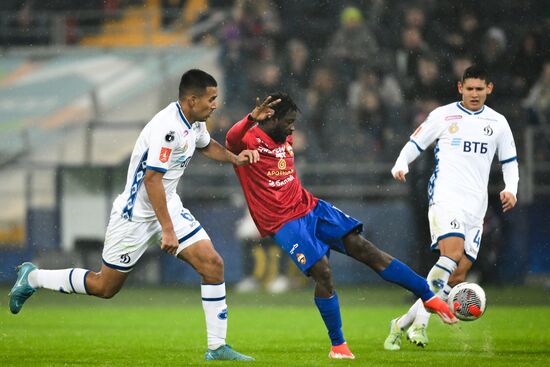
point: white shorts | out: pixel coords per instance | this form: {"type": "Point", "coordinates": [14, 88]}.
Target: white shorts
{"type": "Point", "coordinates": [126, 241]}
{"type": "Point", "coordinates": [446, 221]}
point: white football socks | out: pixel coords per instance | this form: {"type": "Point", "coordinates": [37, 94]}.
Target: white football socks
{"type": "Point", "coordinates": [437, 280]}
{"type": "Point", "coordinates": [215, 312]}
{"type": "Point", "coordinates": [65, 281]}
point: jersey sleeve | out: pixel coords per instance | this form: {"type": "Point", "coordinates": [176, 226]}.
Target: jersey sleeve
{"type": "Point", "coordinates": [234, 139]}
{"type": "Point", "coordinates": [162, 142]}
{"type": "Point", "coordinates": [427, 132]}
{"type": "Point", "coordinates": [203, 136]}
{"type": "Point", "coordinates": [506, 147]}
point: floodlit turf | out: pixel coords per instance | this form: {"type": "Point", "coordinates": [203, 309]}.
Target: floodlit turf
{"type": "Point", "coordinates": [165, 327]}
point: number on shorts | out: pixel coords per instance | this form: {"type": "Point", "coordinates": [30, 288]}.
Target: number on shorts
{"type": "Point", "coordinates": [477, 238]}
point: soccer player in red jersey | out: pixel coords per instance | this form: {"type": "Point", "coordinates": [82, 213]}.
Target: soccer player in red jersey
{"type": "Point", "coordinates": [306, 227]}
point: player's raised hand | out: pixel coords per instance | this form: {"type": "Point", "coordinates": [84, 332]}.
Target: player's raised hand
{"type": "Point", "coordinates": [264, 110]}
{"type": "Point", "coordinates": [508, 200]}
{"type": "Point", "coordinates": [247, 156]}
{"type": "Point", "coordinates": [169, 242]}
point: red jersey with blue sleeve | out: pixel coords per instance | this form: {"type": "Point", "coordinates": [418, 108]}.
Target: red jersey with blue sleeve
{"type": "Point", "coordinates": [273, 192]}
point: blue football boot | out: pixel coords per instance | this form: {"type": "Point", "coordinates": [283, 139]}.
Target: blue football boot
{"type": "Point", "coordinates": [21, 291]}
{"type": "Point", "coordinates": [225, 353]}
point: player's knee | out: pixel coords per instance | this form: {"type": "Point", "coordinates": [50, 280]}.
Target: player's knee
{"type": "Point", "coordinates": [212, 268]}
{"type": "Point", "coordinates": [323, 276]}
{"type": "Point", "coordinates": [106, 292]}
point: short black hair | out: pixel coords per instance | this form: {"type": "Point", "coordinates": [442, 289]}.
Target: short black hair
{"type": "Point", "coordinates": [195, 81]}
{"type": "Point", "coordinates": [286, 104]}
{"type": "Point", "coordinates": [475, 72]}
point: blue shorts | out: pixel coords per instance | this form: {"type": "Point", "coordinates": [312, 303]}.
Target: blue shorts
{"type": "Point", "coordinates": [307, 239]}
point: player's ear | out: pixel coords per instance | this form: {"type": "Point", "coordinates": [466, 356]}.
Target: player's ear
{"type": "Point", "coordinates": [490, 88]}
{"type": "Point", "coordinates": [459, 86]}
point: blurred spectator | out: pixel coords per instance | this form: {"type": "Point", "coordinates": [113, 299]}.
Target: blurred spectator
{"type": "Point", "coordinates": [296, 69]}
{"type": "Point", "coordinates": [267, 81]}
{"type": "Point", "coordinates": [262, 260]}
{"type": "Point", "coordinates": [527, 64]}
{"type": "Point", "coordinates": [538, 100]}
{"type": "Point", "coordinates": [494, 57]}
{"type": "Point", "coordinates": [428, 83]}
{"type": "Point", "coordinates": [407, 55]}
{"type": "Point", "coordinates": [352, 45]}
{"type": "Point", "coordinates": [464, 36]}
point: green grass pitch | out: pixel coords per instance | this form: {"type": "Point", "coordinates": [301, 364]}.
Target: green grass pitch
{"type": "Point", "coordinates": [165, 327]}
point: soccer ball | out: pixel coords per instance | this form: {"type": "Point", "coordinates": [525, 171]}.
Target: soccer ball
{"type": "Point", "coordinates": [467, 301]}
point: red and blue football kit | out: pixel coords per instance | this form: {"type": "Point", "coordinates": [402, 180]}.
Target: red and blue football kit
{"type": "Point", "coordinates": [272, 190]}
{"type": "Point", "coordinates": [305, 227]}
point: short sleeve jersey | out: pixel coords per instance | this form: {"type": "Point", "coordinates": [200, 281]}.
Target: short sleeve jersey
{"type": "Point", "coordinates": [466, 142]}
{"type": "Point", "coordinates": [166, 144]}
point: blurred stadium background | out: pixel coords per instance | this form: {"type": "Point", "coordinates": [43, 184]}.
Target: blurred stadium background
{"type": "Point", "coordinates": [78, 81]}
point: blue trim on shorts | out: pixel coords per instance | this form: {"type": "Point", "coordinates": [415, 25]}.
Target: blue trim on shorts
{"type": "Point", "coordinates": [451, 234]}
{"type": "Point", "coordinates": [71, 280]}
{"type": "Point", "coordinates": [213, 283]}
{"type": "Point", "coordinates": [193, 232]}
{"type": "Point", "coordinates": [85, 287]}
{"type": "Point", "coordinates": [470, 257]}
{"type": "Point", "coordinates": [213, 299]}
{"type": "Point", "coordinates": [116, 267]}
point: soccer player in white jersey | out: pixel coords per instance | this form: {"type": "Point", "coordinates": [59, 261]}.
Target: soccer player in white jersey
{"type": "Point", "coordinates": [149, 212]}
{"type": "Point", "coordinates": [467, 134]}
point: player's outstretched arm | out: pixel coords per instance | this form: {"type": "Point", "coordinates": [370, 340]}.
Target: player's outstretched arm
{"type": "Point", "coordinates": [263, 110]}
{"type": "Point", "coordinates": [408, 154]}
{"type": "Point", "coordinates": [234, 139]}
{"type": "Point", "coordinates": [217, 152]}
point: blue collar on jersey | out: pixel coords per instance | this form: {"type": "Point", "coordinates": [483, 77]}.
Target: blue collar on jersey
{"type": "Point", "coordinates": [183, 116]}
{"type": "Point", "coordinates": [464, 109]}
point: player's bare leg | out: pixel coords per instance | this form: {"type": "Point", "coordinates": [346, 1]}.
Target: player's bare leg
{"type": "Point", "coordinates": [209, 264]}
{"type": "Point", "coordinates": [105, 284]}
{"type": "Point", "coordinates": [326, 300]}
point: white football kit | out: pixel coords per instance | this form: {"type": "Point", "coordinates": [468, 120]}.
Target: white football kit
{"type": "Point", "coordinates": [466, 142]}
{"type": "Point", "coordinates": [166, 144]}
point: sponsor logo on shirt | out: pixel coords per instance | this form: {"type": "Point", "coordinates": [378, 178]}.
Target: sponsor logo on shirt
{"type": "Point", "coordinates": [453, 117]}
{"type": "Point", "coordinates": [294, 247]}
{"type": "Point", "coordinates": [165, 154]}
{"type": "Point", "coordinates": [170, 136]}
{"type": "Point", "coordinates": [453, 128]}
{"type": "Point", "coordinates": [281, 164]}
{"type": "Point", "coordinates": [280, 172]}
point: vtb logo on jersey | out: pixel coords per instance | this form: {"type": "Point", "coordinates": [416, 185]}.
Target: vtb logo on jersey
{"type": "Point", "coordinates": [475, 147]}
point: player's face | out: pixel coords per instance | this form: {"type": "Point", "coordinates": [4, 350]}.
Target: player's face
{"type": "Point", "coordinates": [474, 93]}
{"type": "Point", "coordinates": [205, 104]}
{"type": "Point", "coordinates": [284, 127]}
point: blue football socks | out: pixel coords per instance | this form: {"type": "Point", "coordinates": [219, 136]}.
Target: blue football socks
{"type": "Point", "coordinates": [330, 312]}
{"type": "Point", "coordinates": [401, 274]}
